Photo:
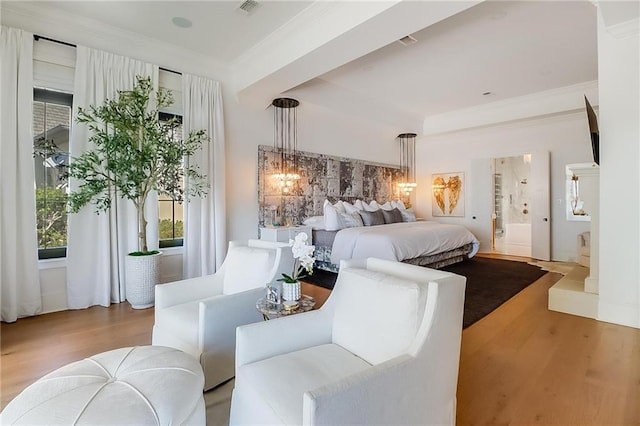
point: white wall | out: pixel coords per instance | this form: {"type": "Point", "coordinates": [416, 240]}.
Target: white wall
{"type": "Point", "coordinates": [618, 69]}
{"type": "Point", "coordinates": [565, 136]}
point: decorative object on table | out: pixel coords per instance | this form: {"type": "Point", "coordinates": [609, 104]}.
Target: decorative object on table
{"type": "Point", "coordinates": [274, 293]}
{"type": "Point", "coordinates": [302, 266]}
{"type": "Point", "coordinates": [448, 194]}
{"type": "Point", "coordinates": [135, 153]}
{"type": "Point", "coordinates": [272, 310]}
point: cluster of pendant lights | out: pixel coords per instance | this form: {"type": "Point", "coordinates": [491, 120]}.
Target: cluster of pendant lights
{"type": "Point", "coordinates": [407, 163]}
{"type": "Point", "coordinates": [285, 142]}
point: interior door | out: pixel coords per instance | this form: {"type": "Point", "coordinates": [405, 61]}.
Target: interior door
{"type": "Point", "coordinates": [540, 206]}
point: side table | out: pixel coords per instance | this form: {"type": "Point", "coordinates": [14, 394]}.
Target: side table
{"type": "Point", "coordinates": [270, 310]}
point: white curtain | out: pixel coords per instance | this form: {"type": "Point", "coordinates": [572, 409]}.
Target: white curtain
{"type": "Point", "coordinates": [98, 243]}
{"type": "Point", "coordinates": [205, 219]}
{"type": "Point", "coordinates": [19, 276]}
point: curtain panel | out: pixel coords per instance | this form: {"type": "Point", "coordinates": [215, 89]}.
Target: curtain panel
{"type": "Point", "coordinates": [98, 243]}
{"type": "Point", "coordinates": [20, 293]}
{"type": "Point", "coordinates": [205, 220]}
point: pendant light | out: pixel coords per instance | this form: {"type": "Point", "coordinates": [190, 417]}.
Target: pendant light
{"type": "Point", "coordinates": [407, 162]}
{"type": "Point", "coordinates": [285, 142]}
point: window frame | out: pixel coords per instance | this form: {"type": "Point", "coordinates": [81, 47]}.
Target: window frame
{"type": "Point", "coordinates": [170, 242]}
{"type": "Point", "coordinates": [52, 96]}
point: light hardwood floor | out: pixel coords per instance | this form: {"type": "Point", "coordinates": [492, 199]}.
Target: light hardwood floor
{"type": "Point", "coordinates": [521, 364]}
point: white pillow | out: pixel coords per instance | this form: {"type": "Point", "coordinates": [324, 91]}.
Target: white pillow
{"type": "Point", "coordinates": [315, 222]}
{"type": "Point", "coordinates": [386, 206]}
{"type": "Point", "coordinates": [408, 215]}
{"type": "Point", "coordinates": [358, 205]}
{"type": "Point", "coordinates": [371, 207]}
{"type": "Point", "coordinates": [376, 315]}
{"type": "Point", "coordinates": [398, 204]}
{"type": "Point", "coordinates": [351, 208]}
{"type": "Point", "coordinates": [351, 220]}
{"type": "Point", "coordinates": [332, 220]}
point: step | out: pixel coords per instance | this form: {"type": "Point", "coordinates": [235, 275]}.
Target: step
{"type": "Point", "coordinates": [568, 295]}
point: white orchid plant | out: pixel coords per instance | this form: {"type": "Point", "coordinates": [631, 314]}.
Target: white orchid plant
{"type": "Point", "coordinates": [303, 259]}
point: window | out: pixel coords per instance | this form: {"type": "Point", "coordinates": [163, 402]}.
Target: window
{"type": "Point", "coordinates": [51, 122]}
{"type": "Point", "coordinates": [170, 214]}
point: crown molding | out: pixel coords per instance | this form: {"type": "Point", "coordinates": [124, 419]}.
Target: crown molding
{"type": "Point", "coordinates": [542, 104]}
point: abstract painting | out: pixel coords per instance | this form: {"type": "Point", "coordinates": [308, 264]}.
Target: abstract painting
{"type": "Point", "coordinates": [448, 194]}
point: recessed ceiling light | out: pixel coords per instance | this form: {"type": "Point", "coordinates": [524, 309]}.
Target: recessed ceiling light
{"type": "Point", "coordinates": [181, 22]}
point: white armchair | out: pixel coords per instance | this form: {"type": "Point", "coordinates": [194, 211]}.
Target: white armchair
{"type": "Point", "coordinates": [200, 315]}
{"type": "Point", "coordinates": [384, 349]}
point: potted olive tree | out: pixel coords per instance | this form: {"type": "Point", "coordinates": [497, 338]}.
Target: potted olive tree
{"type": "Point", "coordinates": [135, 153]}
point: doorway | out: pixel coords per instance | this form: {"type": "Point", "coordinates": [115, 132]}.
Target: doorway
{"type": "Point", "coordinates": [512, 197]}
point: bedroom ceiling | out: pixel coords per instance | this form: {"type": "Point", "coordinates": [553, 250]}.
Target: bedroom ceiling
{"type": "Point", "coordinates": [353, 62]}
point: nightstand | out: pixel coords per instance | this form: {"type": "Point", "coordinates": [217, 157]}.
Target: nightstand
{"type": "Point", "coordinates": [283, 234]}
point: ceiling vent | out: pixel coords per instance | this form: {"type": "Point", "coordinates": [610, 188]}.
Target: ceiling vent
{"type": "Point", "coordinates": [247, 7]}
{"type": "Point", "coordinates": [407, 40]}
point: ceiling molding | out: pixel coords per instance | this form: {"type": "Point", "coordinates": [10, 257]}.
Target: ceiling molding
{"type": "Point", "coordinates": [548, 103]}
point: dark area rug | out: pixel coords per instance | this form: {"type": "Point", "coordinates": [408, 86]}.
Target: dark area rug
{"type": "Point", "coordinates": [490, 283]}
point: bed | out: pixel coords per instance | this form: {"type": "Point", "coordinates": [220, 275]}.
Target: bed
{"type": "Point", "coordinates": [424, 243]}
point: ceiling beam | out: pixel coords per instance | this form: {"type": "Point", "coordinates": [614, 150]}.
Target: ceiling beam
{"type": "Point", "coordinates": [327, 35]}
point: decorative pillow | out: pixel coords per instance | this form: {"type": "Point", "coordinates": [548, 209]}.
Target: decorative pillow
{"type": "Point", "coordinates": [351, 208]}
{"type": "Point", "coordinates": [332, 220]}
{"type": "Point", "coordinates": [372, 218]}
{"type": "Point", "coordinates": [315, 222]}
{"type": "Point", "coordinates": [376, 315]}
{"type": "Point", "coordinates": [386, 206]}
{"type": "Point", "coordinates": [238, 277]}
{"type": "Point", "coordinates": [408, 215]}
{"type": "Point", "coordinates": [371, 207]}
{"type": "Point", "coordinates": [398, 204]}
{"type": "Point", "coordinates": [352, 220]}
{"type": "Point", "coordinates": [391, 216]}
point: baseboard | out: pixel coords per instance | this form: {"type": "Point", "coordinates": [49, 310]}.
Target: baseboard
{"type": "Point", "coordinates": [627, 315]}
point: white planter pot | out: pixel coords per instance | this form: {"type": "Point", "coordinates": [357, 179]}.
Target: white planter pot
{"type": "Point", "coordinates": [291, 291]}
{"type": "Point", "coordinates": [142, 275]}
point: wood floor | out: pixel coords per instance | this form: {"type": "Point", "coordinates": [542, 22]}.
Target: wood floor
{"type": "Point", "coordinates": [521, 364]}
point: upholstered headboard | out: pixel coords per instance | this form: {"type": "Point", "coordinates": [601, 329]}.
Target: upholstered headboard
{"type": "Point", "coordinates": [321, 177]}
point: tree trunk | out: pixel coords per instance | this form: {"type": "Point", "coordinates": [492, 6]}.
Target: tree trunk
{"type": "Point", "coordinates": [142, 229]}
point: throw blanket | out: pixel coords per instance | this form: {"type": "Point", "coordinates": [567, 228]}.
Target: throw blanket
{"type": "Point", "coordinates": [400, 241]}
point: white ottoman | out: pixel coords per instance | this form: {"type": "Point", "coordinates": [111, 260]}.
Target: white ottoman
{"type": "Point", "coordinates": [145, 385]}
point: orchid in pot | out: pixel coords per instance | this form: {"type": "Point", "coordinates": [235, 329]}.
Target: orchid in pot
{"type": "Point", "coordinates": [302, 266]}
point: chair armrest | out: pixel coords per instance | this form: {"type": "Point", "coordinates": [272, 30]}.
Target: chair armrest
{"type": "Point", "coordinates": [183, 291]}
{"type": "Point", "coordinates": [219, 316]}
{"type": "Point", "coordinates": [369, 390]}
{"type": "Point", "coordinates": [263, 340]}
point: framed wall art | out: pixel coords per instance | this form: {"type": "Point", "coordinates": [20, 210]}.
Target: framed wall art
{"type": "Point", "coordinates": [448, 194]}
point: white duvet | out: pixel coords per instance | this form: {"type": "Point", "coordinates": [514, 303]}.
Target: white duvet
{"type": "Point", "coordinates": [400, 241]}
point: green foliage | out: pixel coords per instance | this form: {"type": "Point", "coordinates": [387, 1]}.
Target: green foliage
{"type": "Point", "coordinates": [165, 229]}
{"type": "Point", "coordinates": [144, 253]}
{"type": "Point", "coordinates": [134, 154]}
{"type": "Point", "coordinates": [51, 217]}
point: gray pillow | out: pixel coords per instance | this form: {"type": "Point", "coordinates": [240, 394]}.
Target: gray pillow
{"type": "Point", "coordinates": [372, 218]}
{"type": "Point", "coordinates": [392, 216]}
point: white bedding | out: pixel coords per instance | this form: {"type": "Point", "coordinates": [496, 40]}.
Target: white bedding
{"type": "Point", "coordinates": [400, 241]}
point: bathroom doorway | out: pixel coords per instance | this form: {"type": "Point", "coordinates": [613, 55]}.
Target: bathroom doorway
{"type": "Point", "coordinates": [512, 197]}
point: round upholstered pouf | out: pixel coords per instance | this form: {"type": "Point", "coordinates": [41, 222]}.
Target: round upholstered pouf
{"type": "Point", "coordinates": [145, 385]}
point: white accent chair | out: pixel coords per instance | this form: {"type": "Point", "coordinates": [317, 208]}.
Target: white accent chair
{"type": "Point", "coordinates": [200, 315]}
{"type": "Point", "coordinates": [384, 349]}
